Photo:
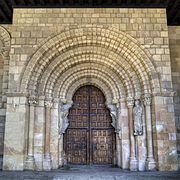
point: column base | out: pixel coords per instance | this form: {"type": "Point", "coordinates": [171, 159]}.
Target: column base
{"type": "Point", "coordinates": [60, 162]}
{"type": "Point", "coordinates": [150, 164]}
{"type": "Point", "coordinates": [30, 163]}
{"type": "Point", "coordinates": [133, 166]}
{"type": "Point", "coordinates": [47, 162]}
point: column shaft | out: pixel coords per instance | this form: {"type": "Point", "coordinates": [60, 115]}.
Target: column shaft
{"type": "Point", "coordinates": [47, 155]}
{"type": "Point", "coordinates": [54, 134]}
{"type": "Point", "coordinates": [61, 152]}
{"type": "Point", "coordinates": [47, 131]}
{"type": "Point", "coordinates": [31, 131]}
{"type": "Point", "coordinates": [29, 164]}
{"type": "Point", "coordinates": [150, 162]}
{"type": "Point", "coordinates": [133, 160]}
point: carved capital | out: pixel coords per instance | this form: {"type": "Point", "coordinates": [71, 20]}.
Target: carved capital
{"type": "Point", "coordinates": [48, 103]}
{"type": "Point", "coordinates": [147, 100]}
{"type": "Point", "coordinates": [32, 101]}
{"type": "Point", "coordinates": [137, 96]}
{"type": "Point", "coordinates": [55, 100]}
{"type": "Point", "coordinates": [55, 103]}
{"type": "Point", "coordinates": [41, 101]}
{"type": "Point", "coordinates": [130, 102]}
{"type": "Point", "coordinates": [122, 100]}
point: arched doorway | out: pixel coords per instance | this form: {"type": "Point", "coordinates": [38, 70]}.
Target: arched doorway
{"type": "Point", "coordinates": [90, 137]}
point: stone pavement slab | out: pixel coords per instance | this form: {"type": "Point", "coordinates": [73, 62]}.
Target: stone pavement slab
{"type": "Point", "coordinates": [88, 173]}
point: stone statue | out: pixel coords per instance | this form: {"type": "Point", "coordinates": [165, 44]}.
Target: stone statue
{"type": "Point", "coordinates": [64, 116]}
{"type": "Point", "coordinates": [65, 122]}
{"type": "Point", "coordinates": [113, 113]}
{"type": "Point", "coordinates": [138, 127]}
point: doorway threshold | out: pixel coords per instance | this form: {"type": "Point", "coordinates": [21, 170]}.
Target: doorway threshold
{"type": "Point", "coordinates": [92, 166]}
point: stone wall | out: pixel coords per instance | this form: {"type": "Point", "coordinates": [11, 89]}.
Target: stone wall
{"type": "Point", "coordinates": [32, 26]}
{"type": "Point", "coordinates": [4, 70]}
{"type": "Point", "coordinates": [45, 34]}
{"type": "Point", "coordinates": [174, 39]}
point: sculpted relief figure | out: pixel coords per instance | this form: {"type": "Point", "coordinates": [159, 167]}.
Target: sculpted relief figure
{"type": "Point", "coordinates": [138, 127]}
{"type": "Point", "coordinates": [113, 113]}
{"type": "Point", "coordinates": [114, 116]}
{"type": "Point", "coordinates": [64, 122]}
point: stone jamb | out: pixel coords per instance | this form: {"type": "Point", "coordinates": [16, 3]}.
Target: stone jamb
{"type": "Point", "coordinates": [47, 163]}
{"type": "Point", "coordinates": [30, 161]}
{"type": "Point", "coordinates": [15, 145]}
{"type": "Point", "coordinates": [54, 135]}
{"type": "Point", "coordinates": [133, 161]}
{"type": "Point", "coordinates": [150, 162]}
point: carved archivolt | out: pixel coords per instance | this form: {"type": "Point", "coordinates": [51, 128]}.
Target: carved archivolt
{"type": "Point", "coordinates": [136, 79]}
{"type": "Point", "coordinates": [5, 39]}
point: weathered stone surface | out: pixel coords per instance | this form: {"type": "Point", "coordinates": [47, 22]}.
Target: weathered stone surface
{"type": "Point", "coordinates": [174, 39]}
{"type": "Point", "coordinates": [124, 52]}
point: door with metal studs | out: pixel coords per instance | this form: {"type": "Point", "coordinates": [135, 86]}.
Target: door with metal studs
{"type": "Point", "coordinates": [90, 138]}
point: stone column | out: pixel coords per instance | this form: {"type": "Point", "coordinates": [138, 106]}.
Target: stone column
{"type": "Point", "coordinates": [29, 164]}
{"type": "Point", "coordinates": [61, 154]}
{"type": "Point", "coordinates": [150, 162]}
{"type": "Point", "coordinates": [47, 155]}
{"type": "Point", "coordinates": [125, 148]}
{"type": "Point", "coordinates": [118, 136]}
{"type": "Point", "coordinates": [39, 134]}
{"type": "Point", "coordinates": [133, 160]}
{"type": "Point", "coordinates": [54, 139]}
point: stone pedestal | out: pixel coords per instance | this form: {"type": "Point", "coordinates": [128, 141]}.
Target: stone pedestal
{"type": "Point", "coordinates": [133, 165]}
{"type": "Point", "coordinates": [29, 163]}
{"type": "Point", "coordinates": [150, 164]}
{"type": "Point", "coordinates": [47, 162]}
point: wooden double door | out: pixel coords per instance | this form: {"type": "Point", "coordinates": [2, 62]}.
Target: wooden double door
{"type": "Point", "coordinates": [90, 138]}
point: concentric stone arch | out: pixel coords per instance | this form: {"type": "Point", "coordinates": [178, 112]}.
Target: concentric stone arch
{"type": "Point", "coordinates": [6, 40]}
{"type": "Point", "coordinates": [94, 82]}
{"type": "Point", "coordinates": [5, 43]}
{"type": "Point", "coordinates": [108, 38]}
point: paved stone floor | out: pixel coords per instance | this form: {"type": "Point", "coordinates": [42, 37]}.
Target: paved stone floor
{"type": "Point", "coordinates": [88, 173]}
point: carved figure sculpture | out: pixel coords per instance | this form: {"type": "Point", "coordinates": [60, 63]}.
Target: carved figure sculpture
{"type": "Point", "coordinates": [113, 113]}
{"type": "Point", "coordinates": [64, 117]}
{"type": "Point", "coordinates": [138, 127]}
{"type": "Point", "coordinates": [114, 116]}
